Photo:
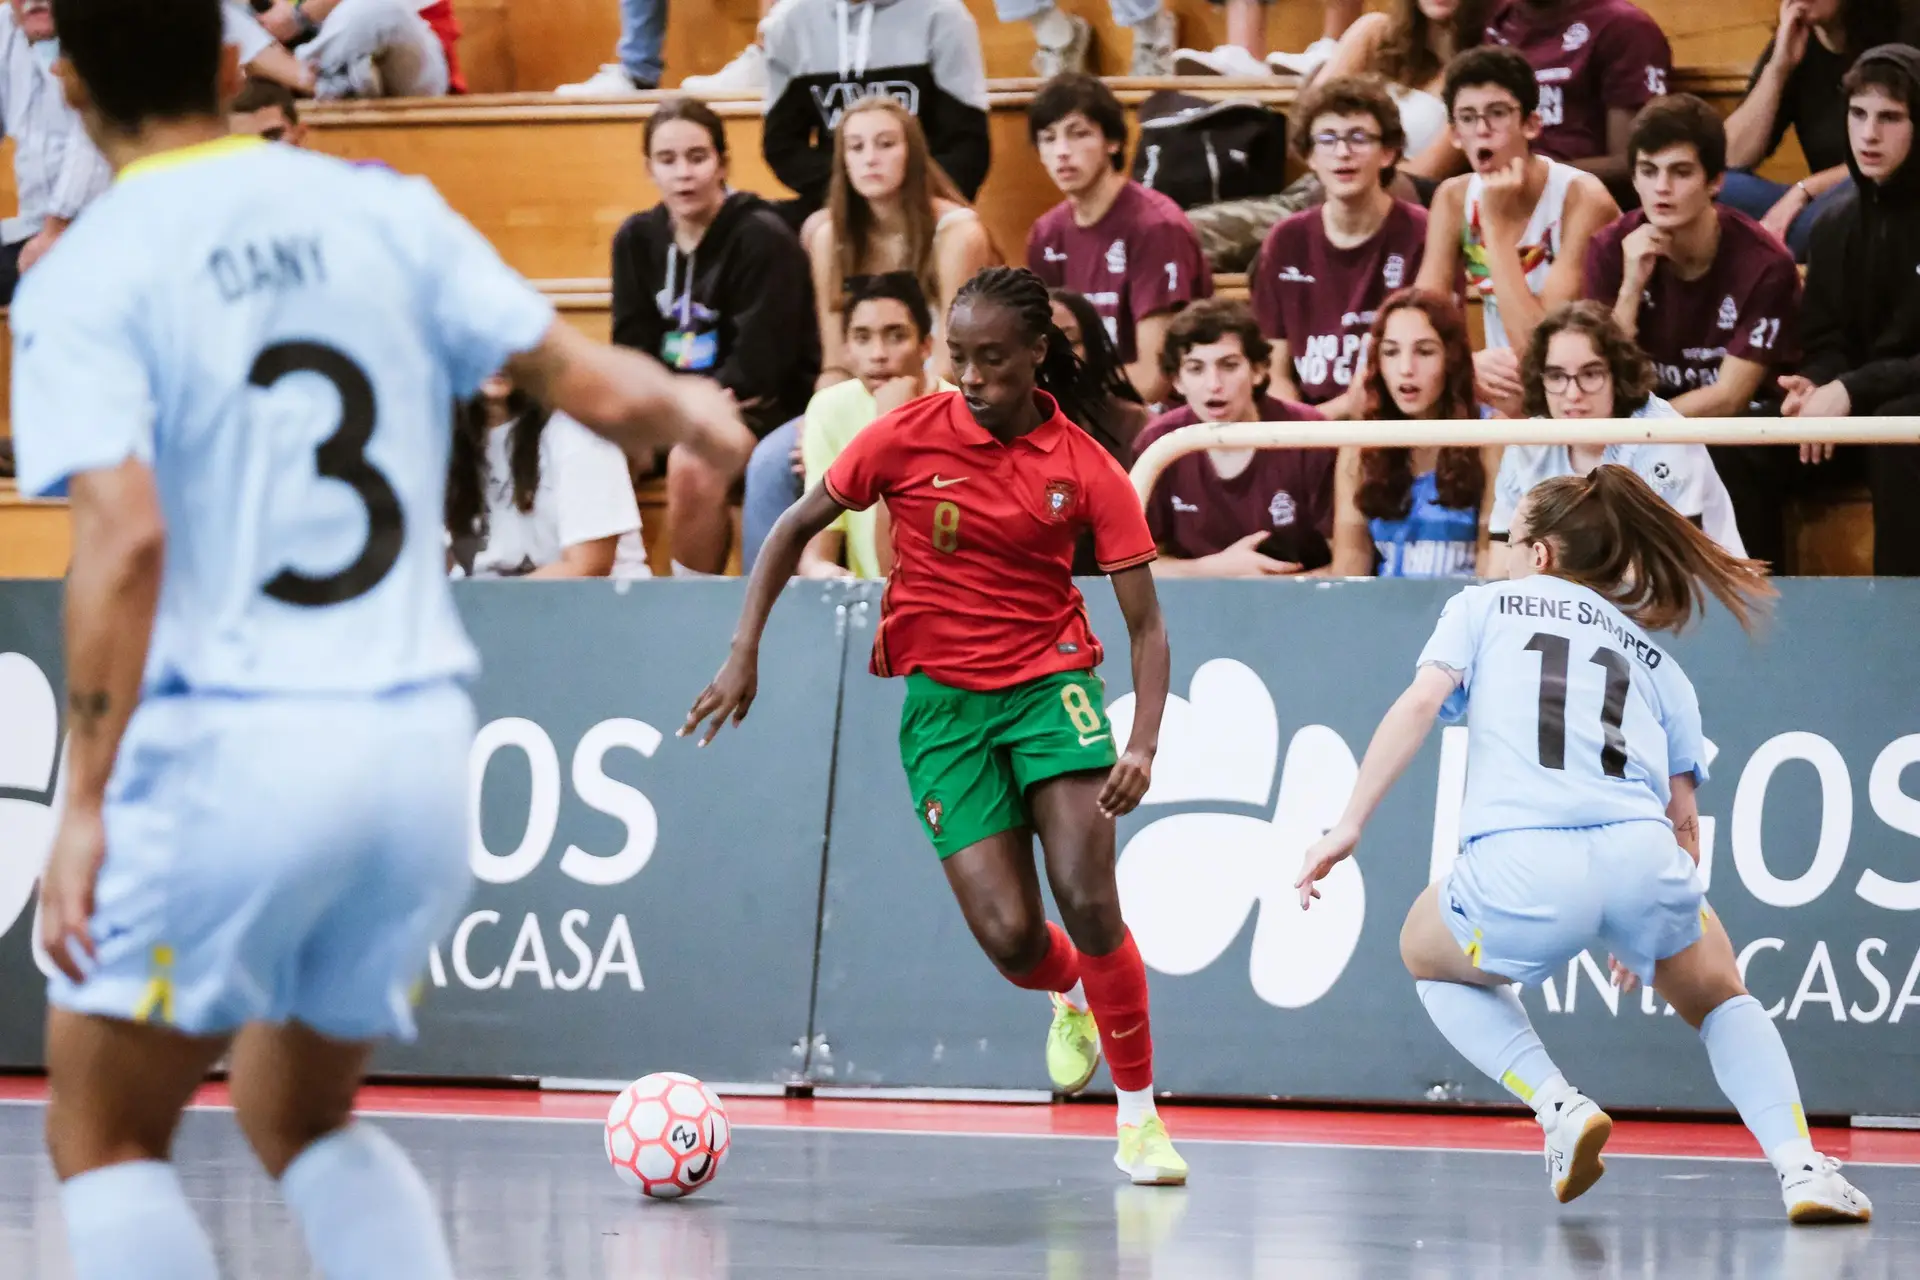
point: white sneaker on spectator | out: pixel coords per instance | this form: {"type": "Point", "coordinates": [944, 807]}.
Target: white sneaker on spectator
{"type": "Point", "coordinates": [610, 81]}
{"type": "Point", "coordinates": [1153, 46]}
{"type": "Point", "coordinates": [1305, 62]}
{"type": "Point", "coordinates": [1225, 60]}
{"type": "Point", "coordinates": [744, 76]}
{"type": "Point", "coordinates": [358, 79]}
{"type": "Point", "coordinates": [1052, 60]}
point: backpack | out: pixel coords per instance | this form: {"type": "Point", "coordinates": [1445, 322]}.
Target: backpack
{"type": "Point", "coordinates": [1196, 151]}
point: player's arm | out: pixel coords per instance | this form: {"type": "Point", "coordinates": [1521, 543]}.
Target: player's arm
{"type": "Point", "coordinates": [732, 692]}
{"type": "Point", "coordinates": [1683, 810]}
{"type": "Point", "coordinates": [1395, 743]}
{"type": "Point", "coordinates": [1152, 673]}
{"type": "Point", "coordinates": [631, 398]}
{"type": "Point", "coordinates": [113, 589]}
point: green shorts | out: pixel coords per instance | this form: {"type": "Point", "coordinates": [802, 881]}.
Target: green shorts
{"type": "Point", "coordinates": [970, 757]}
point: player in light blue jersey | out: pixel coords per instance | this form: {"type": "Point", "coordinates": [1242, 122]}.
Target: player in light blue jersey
{"type": "Point", "coordinates": [241, 365]}
{"type": "Point", "coordinates": [1580, 825]}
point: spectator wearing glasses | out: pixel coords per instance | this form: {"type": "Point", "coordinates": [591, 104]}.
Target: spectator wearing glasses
{"type": "Point", "coordinates": [56, 169]}
{"type": "Point", "coordinates": [1235, 513]}
{"type": "Point", "coordinates": [1703, 289]}
{"type": "Point", "coordinates": [1322, 273]}
{"type": "Point", "coordinates": [1416, 513]}
{"type": "Point", "coordinates": [1518, 225]}
{"type": "Point", "coordinates": [1582, 366]}
{"type": "Point", "coordinates": [1861, 325]}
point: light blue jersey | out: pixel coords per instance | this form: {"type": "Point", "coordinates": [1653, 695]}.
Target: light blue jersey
{"type": "Point", "coordinates": [281, 336]}
{"type": "Point", "coordinates": [1577, 719]}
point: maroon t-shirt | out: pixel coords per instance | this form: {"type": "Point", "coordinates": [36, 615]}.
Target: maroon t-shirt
{"type": "Point", "coordinates": [1140, 258]}
{"type": "Point", "coordinates": [1320, 300]}
{"type": "Point", "coordinates": [1589, 56]}
{"type": "Point", "coordinates": [1747, 305]}
{"type": "Point", "coordinates": [1194, 512]}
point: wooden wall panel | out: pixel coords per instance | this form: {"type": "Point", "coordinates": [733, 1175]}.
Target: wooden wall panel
{"type": "Point", "coordinates": [486, 45]}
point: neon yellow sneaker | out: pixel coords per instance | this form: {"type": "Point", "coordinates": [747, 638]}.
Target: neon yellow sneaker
{"type": "Point", "coordinates": [1147, 1156]}
{"type": "Point", "coordinates": [1073, 1046]}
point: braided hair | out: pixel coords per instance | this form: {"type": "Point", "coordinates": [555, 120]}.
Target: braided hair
{"type": "Point", "coordinates": [1060, 373]}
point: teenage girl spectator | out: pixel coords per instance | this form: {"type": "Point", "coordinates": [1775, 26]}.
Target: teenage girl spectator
{"type": "Point", "coordinates": [890, 207]}
{"type": "Point", "coordinates": [1409, 47]}
{"type": "Point", "coordinates": [1796, 85]}
{"type": "Point", "coordinates": [1415, 513]}
{"type": "Point", "coordinates": [1114, 412]}
{"type": "Point", "coordinates": [533, 494]}
{"type": "Point", "coordinates": [712, 282]}
{"type": "Point", "coordinates": [1582, 365]}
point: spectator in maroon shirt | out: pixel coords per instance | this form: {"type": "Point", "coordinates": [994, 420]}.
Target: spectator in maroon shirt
{"type": "Point", "coordinates": [1707, 293]}
{"type": "Point", "coordinates": [1235, 513]}
{"type": "Point", "coordinates": [1598, 62]}
{"type": "Point", "coordinates": [1131, 251]}
{"type": "Point", "coordinates": [1322, 272]}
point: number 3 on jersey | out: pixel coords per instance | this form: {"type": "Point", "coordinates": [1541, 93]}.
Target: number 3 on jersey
{"type": "Point", "coordinates": [341, 456]}
{"type": "Point", "coordinates": [1553, 651]}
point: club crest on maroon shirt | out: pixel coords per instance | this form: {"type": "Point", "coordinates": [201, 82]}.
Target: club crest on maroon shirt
{"type": "Point", "coordinates": [1060, 499]}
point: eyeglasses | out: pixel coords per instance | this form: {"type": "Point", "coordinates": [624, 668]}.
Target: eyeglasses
{"type": "Point", "coordinates": [1593, 379]}
{"type": "Point", "coordinates": [1497, 116]}
{"type": "Point", "coordinates": [1356, 140]}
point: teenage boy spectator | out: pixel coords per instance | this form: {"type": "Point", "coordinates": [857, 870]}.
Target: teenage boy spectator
{"type": "Point", "coordinates": [1131, 251]}
{"type": "Point", "coordinates": [1235, 513]}
{"type": "Point", "coordinates": [823, 55]}
{"type": "Point", "coordinates": [267, 110]}
{"type": "Point", "coordinates": [1861, 323]}
{"type": "Point", "coordinates": [56, 170]}
{"type": "Point", "coordinates": [1708, 294]}
{"type": "Point", "coordinates": [1597, 62]}
{"type": "Point", "coordinates": [1796, 85]}
{"type": "Point", "coordinates": [1518, 224]}
{"type": "Point", "coordinates": [1323, 272]}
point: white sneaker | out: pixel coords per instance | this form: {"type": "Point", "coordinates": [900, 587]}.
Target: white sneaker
{"type": "Point", "coordinates": [1051, 60]}
{"type": "Point", "coordinates": [1576, 1132]}
{"type": "Point", "coordinates": [1225, 60]}
{"type": "Point", "coordinates": [610, 81]}
{"type": "Point", "coordinates": [1153, 46]}
{"type": "Point", "coordinates": [1305, 62]}
{"type": "Point", "coordinates": [745, 75]}
{"type": "Point", "coordinates": [1817, 1193]}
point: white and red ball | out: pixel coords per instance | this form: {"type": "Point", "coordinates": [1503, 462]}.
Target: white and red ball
{"type": "Point", "coordinates": [667, 1135]}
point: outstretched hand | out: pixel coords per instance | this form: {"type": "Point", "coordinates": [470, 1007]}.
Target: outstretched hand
{"type": "Point", "coordinates": [729, 697]}
{"type": "Point", "coordinates": [1328, 852]}
{"type": "Point", "coordinates": [1127, 784]}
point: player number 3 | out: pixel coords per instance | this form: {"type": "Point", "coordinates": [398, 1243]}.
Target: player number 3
{"type": "Point", "coordinates": [946, 527]}
{"type": "Point", "coordinates": [1080, 710]}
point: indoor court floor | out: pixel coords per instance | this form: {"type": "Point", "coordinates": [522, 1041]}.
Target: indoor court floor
{"type": "Point", "coordinates": [838, 1188]}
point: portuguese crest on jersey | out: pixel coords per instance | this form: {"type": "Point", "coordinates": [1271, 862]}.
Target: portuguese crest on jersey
{"type": "Point", "coordinates": [935, 813]}
{"type": "Point", "coordinates": [1060, 495]}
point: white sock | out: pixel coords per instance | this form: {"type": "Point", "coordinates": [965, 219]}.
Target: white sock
{"type": "Point", "coordinates": [1076, 997]}
{"type": "Point", "coordinates": [1051, 30]}
{"type": "Point", "coordinates": [1489, 1027]}
{"type": "Point", "coordinates": [1750, 1064]}
{"type": "Point", "coordinates": [133, 1220]}
{"type": "Point", "coordinates": [364, 1209]}
{"type": "Point", "coordinates": [1136, 1105]}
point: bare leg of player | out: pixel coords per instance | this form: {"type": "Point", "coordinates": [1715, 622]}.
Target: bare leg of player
{"type": "Point", "coordinates": [1751, 1065]}
{"type": "Point", "coordinates": [117, 1091]}
{"type": "Point", "coordinates": [1483, 1019]}
{"type": "Point", "coordinates": [361, 1204]}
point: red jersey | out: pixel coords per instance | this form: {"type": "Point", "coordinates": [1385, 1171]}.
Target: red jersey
{"type": "Point", "coordinates": [1590, 56]}
{"type": "Point", "coordinates": [1142, 257]}
{"type": "Point", "coordinates": [981, 596]}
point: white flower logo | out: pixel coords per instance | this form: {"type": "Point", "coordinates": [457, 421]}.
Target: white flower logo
{"type": "Point", "coordinates": [29, 751]}
{"type": "Point", "coordinates": [1188, 881]}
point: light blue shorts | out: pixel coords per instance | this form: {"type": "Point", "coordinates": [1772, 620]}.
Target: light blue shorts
{"type": "Point", "coordinates": [1523, 903]}
{"type": "Point", "coordinates": [275, 859]}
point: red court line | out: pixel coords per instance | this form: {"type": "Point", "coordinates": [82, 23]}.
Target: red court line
{"type": "Point", "coordinates": [1234, 1124]}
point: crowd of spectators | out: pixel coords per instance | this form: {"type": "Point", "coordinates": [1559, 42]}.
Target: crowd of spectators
{"type": "Point", "coordinates": [1522, 161]}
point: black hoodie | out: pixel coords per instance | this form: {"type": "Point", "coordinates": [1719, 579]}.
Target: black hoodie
{"type": "Point", "coordinates": [738, 309]}
{"type": "Point", "coordinates": [1861, 319]}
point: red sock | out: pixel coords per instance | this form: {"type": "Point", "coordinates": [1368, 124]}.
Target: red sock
{"type": "Point", "coordinates": [1058, 971]}
{"type": "Point", "coordinates": [1116, 986]}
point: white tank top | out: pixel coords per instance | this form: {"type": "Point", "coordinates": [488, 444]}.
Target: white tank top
{"type": "Point", "coordinates": [1422, 115]}
{"type": "Point", "coordinates": [1539, 245]}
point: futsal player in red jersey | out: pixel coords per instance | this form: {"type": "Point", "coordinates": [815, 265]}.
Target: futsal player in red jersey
{"type": "Point", "coordinates": [1004, 734]}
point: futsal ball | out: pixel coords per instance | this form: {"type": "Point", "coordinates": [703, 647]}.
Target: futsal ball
{"type": "Point", "coordinates": [667, 1135]}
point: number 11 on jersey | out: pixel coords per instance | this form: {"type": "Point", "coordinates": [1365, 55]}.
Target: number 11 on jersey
{"type": "Point", "coordinates": [1554, 651]}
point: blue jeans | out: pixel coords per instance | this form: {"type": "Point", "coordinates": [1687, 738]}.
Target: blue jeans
{"type": "Point", "coordinates": [1754, 196]}
{"type": "Point", "coordinates": [771, 487]}
{"type": "Point", "coordinates": [643, 28]}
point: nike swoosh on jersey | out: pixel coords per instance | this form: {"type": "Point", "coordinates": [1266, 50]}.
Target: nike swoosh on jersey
{"type": "Point", "coordinates": [938, 483]}
{"type": "Point", "coordinates": [1087, 741]}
